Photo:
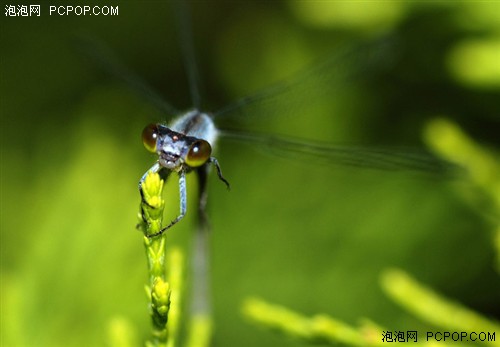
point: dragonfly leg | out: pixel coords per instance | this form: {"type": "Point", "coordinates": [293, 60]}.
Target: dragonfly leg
{"type": "Point", "coordinates": [183, 204]}
{"type": "Point", "coordinates": [215, 163]}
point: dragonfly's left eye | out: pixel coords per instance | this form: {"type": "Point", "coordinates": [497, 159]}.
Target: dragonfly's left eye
{"type": "Point", "coordinates": [199, 153]}
{"type": "Point", "coordinates": [149, 137]}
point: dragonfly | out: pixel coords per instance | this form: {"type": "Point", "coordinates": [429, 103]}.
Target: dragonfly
{"type": "Point", "coordinates": [187, 144]}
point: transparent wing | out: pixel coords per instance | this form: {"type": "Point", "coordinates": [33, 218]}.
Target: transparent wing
{"type": "Point", "coordinates": [349, 65]}
{"type": "Point", "coordinates": [380, 158]}
{"type": "Point", "coordinates": [103, 57]}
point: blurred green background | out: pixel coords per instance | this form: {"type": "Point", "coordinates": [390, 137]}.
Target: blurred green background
{"type": "Point", "coordinates": [314, 238]}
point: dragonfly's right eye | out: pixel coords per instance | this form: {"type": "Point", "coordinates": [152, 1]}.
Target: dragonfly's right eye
{"type": "Point", "coordinates": [149, 137]}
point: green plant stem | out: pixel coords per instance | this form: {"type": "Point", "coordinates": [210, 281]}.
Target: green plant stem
{"type": "Point", "coordinates": [433, 308]}
{"type": "Point", "coordinates": [319, 328]}
{"type": "Point", "coordinates": [448, 140]}
{"type": "Point", "coordinates": [452, 143]}
{"type": "Point", "coordinates": [158, 290]}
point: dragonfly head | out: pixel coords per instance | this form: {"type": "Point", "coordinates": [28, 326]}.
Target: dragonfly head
{"type": "Point", "coordinates": [175, 150]}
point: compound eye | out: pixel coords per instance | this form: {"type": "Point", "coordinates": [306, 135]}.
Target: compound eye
{"type": "Point", "coordinates": [199, 153]}
{"type": "Point", "coordinates": [149, 137]}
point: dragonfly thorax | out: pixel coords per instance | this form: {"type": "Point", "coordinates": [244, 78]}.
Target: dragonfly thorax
{"type": "Point", "coordinates": [197, 124]}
